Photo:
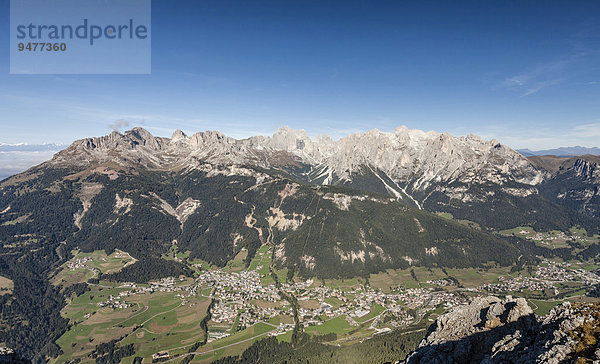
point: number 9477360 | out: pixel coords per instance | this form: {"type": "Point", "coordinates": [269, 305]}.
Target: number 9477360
{"type": "Point", "coordinates": [42, 47]}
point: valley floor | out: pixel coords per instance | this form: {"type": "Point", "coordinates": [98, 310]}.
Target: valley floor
{"type": "Point", "coordinates": [220, 312]}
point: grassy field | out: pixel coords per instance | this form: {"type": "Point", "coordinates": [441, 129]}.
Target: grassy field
{"type": "Point", "coordinates": [427, 274]}
{"type": "Point", "coordinates": [237, 263]}
{"type": "Point", "coordinates": [449, 216]}
{"type": "Point", "coordinates": [309, 304]}
{"type": "Point", "coordinates": [99, 261]}
{"type": "Point", "coordinates": [162, 322]}
{"type": "Point", "coordinates": [477, 277]}
{"type": "Point", "coordinates": [287, 337]}
{"type": "Point", "coordinates": [589, 267]}
{"type": "Point", "coordinates": [403, 278]}
{"type": "Point", "coordinates": [263, 269]}
{"type": "Point", "coordinates": [281, 275]}
{"type": "Point", "coordinates": [343, 284]}
{"type": "Point", "coordinates": [445, 215]}
{"type": "Point", "coordinates": [334, 302]}
{"type": "Point", "coordinates": [375, 311]}
{"type": "Point", "coordinates": [337, 325]}
{"type": "Point", "coordinates": [553, 239]}
{"type": "Point", "coordinates": [261, 262]}
{"type": "Point", "coordinates": [258, 257]}
{"type": "Point", "coordinates": [389, 279]}
{"type": "Point", "coordinates": [175, 254]}
{"type": "Point", "coordinates": [346, 334]}
{"type": "Point", "coordinates": [583, 236]}
{"type": "Point", "coordinates": [232, 345]}
{"type": "Point", "coordinates": [542, 307]}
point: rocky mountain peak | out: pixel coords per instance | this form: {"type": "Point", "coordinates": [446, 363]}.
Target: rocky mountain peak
{"type": "Point", "coordinates": [403, 163]}
{"type": "Point", "coordinates": [287, 139]}
{"type": "Point", "coordinates": [493, 330]}
{"type": "Point", "coordinates": [586, 168]}
{"type": "Point", "coordinates": [178, 135]}
{"type": "Point", "coordinates": [141, 136]}
{"type": "Point", "coordinates": [209, 139]}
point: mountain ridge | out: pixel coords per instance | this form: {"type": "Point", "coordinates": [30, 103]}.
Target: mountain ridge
{"type": "Point", "coordinates": [427, 170]}
{"type": "Point", "coordinates": [411, 160]}
{"type": "Point", "coordinates": [562, 151]}
{"type": "Point", "coordinates": [343, 155]}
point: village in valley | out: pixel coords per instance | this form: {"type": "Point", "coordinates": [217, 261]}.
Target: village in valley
{"type": "Point", "coordinates": [230, 307]}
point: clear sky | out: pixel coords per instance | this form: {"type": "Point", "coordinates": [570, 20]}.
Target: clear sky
{"type": "Point", "coordinates": [524, 72]}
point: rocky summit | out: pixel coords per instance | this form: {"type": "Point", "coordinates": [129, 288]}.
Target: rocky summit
{"type": "Point", "coordinates": [494, 330]}
{"type": "Point", "coordinates": [470, 178]}
{"type": "Point", "coordinates": [408, 158]}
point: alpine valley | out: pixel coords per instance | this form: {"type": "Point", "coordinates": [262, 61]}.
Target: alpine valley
{"type": "Point", "coordinates": [134, 248]}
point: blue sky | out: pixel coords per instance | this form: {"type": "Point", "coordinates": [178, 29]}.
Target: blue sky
{"type": "Point", "coordinates": [526, 73]}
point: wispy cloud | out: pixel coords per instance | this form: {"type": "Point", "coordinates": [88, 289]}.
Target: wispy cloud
{"type": "Point", "coordinates": [540, 86]}
{"type": "Point", "coordinates": [578, 61]}
{"type": "Point", "coordinates": [591, 130]}
{"type": "Point", "coordinates": [539, 77]}
{"type": "Point", "coordinates": [586, 134]}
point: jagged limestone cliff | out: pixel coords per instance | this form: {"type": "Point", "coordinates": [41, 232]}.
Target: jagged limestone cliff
{"type": "Point", "coordinates": [492, 330]}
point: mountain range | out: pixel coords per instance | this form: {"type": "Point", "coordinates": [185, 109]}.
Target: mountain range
{"type": "Point", "coordinates": [24, 147]}
{"type": "Point", "coordinates": [327, 208]}
{"type": "Point", "coordinates": [281, 189]}
{"type": "Point", "coordinates": [426, 170]}
{"type": "Point", "coordinates": [562, 151]}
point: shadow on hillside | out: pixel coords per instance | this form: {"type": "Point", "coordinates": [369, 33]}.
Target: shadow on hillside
{"type": "Point", "coordinates": [516, 342]}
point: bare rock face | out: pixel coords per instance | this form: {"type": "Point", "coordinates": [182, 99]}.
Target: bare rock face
{"type": "Point", "coordinates": [135, 147]}
{"type": "Point", "coordinates": [407, 159]}
{"type": "Point", "coordinates": [491, 330]}
{"type": "Point", "coordinates": [427, 170]}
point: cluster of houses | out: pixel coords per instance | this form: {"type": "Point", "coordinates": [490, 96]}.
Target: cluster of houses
{"type": "Point", "coordinates": [116, 301]}
{"type": "Point", "coordinates": [163, 285]}
{"type": "Point", "coordinates": [414, 297]}
{"type": "Point", "coordinates": [241, 300]}
{"type": "Point", "coordinates": [7, 355]}
{"type": "Point", "coordinates": [216, 335]}
{"type": "Point", "coordinates": [281, 329]}
{"type": "Point", "coordinates": [447, 300]}
{"type": "Point", "coordinates": [548, 273]}
{"type": "Point", "coordinates": [79, 263]}
{"type": "Point", "coordinates": [440, 282]}
{"type": "Point", "coordinates": [6, 351]}
{"type": "Point", "coordinates": [516, 284]}
{"type": "Point", "coordinates": [545, 238]}
{"type": "Point", "coordinates": [238, 294]}
{"type": "Point", "coordinates": [396, 317]}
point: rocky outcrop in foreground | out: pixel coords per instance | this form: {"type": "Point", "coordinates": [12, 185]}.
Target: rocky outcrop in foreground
{"type": "Point", "coordinates": [491, 330]}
